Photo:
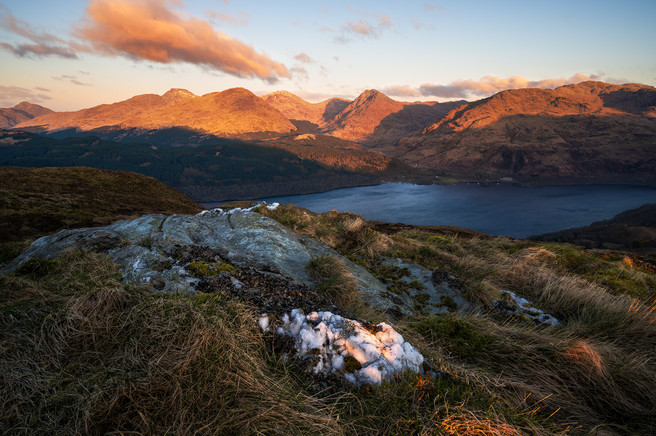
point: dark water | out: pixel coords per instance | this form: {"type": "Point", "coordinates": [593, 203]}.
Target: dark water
{"type": "Point", "coordinates": [496, 210]}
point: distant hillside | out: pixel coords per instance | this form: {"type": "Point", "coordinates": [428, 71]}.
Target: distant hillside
{"type": "Point", "coordinates": [633, 230]}
{"type": "Point", "coordinates": [378, 121]}
{"type": "Point", "coordinates": [23, 111]}
{"type": "Point", "coordinates": [35, 201]}
{"type": "Point", "coordinates": [295, 108]}
{"type": "Point", "coordinates": [221, 169]}
{"type": "Point", "coordinates": [591, 132]}
{"type": "Point", "coordinates": [228, 113]}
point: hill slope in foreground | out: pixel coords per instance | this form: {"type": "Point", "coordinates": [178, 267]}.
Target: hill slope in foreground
{"type": "Point", "coordinates": [37, 201]}
{"type": "Point", "coordinates": [85, 352]}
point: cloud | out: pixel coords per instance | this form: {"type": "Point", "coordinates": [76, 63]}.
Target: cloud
{"type": "Point", "coordinates": [384, 20]}
{"type": "Point", "coordinates": [10, 95]}
{"type": "Point", "coordinates": [300, 73]}
{"type": "Point", "coordinates": [40, 45]}
{"type": "Point", "coordinates": [486, 86]}
{"type": "Point", "coordinates": [401, 91]}
{"type": "Point", "coordinates": [304, 57]}
{"type": "Point", "coordinates": [433, 7]}
{"type": "Point", "coordinates": [242, 18]}
{"type": "Point", "coordinates": [150, 30]}
{"type": "Point", "coordinates": [73, 79]}
{"type": "Point", "coordinates": [363, 28]}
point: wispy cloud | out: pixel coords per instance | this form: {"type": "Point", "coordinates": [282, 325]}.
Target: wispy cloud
{"type": "Point", "coordinates": [363, 28]}
{"type": "Point", "coordinates": [40, 43]}
{"type": "Point", "coordinates": [11, 95]}
{"type": "Point", "coordinates": [304, 58]}
{"type": "Point", "coordinates": [400, 91]}
{"type": "Point", "coordinates": [433, 7]}
{"type": "Point", "coordinates": [151, 30]}
{"type": "Point", "coordinates": [484, 87]}
{"type": "Point", "coordinates": [69, 78]}
{"type": "Point", "coordinates": [241, 18]}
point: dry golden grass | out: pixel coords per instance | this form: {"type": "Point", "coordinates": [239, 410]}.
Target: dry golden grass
{"type": "Point", "coordinates": [595, 373]}
{"type": "Point", "coordinates": [84, 354]}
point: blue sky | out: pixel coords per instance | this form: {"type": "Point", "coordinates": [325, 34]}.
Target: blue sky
{"type": "Point", "coordinates": [72, 54]}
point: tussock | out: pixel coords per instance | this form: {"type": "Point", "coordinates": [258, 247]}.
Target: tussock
{"type": "Point", "coordinates": [117, 359]}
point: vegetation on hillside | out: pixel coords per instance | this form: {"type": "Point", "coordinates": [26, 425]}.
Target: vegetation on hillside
{"type": "Point", "coordinates": [217, 170]}
{"type": "Point", "coordinates": [595, 372]}
{"type": "Point", "coordinates": [39, 201]}
{"type": "Point", "coordinates": [84, 353]}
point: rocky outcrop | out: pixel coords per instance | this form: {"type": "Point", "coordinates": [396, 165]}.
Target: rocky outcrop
{"type": "Point", "coordinates": [427, 292]}
{"type": "Point", "coordinates": [179, 253]}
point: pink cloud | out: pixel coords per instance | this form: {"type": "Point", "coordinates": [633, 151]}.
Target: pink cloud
{"type": "Point", "coordinates": [401, 91]}
{"type": "Point", "coordinates": [11, 95]}
{"type": "Point", "coordinates": [433, 7]}
{"type": "Point", "coordinates": [151, 30]}
{"type": "Point", "coordinates": [304, 57]}
{"type": "Point", "coordinates": [489, 85]}
{"type": "Point", "coordinates": [363, 28]}
{"type": "Point", "coordinates": [41, 44]}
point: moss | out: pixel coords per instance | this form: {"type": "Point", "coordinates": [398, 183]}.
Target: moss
{"type": "Point", "coordinates": [202, 268]}
{"type": "Point", "coordinates": [438, 240]}
{"type": "Point", "coordinates": [457, 334]}
{"type": "Point", "coordinates": [351, 364]}
{"type": "Point", "coordinates": [421, 299]}
{"type": "Point", "coordinates": [146, 242]}
{"type": "Point", "coordinates": [447, 301]}
{"type": "Point", "coordinates": [36, 267]}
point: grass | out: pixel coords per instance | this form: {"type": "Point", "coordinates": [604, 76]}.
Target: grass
{"type": "Point", "coordinates": [80, 352]}
{"type": "Point", "coordinates": [39, 201]}
{"type": "Point", "coordinates": [594, 373]}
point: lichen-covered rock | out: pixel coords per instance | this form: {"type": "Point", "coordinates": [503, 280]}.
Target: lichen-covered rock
{"type": "Point", "coordinates": [149, 250]}
{"type": "Point", "coordinates": [429, 292]}
{"type": "Point", "coordinates": [512, 304]}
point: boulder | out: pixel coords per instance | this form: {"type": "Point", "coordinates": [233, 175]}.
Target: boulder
{"type": "Point", "coordinates": [149, 250]}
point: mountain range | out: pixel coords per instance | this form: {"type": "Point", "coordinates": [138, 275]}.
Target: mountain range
{"type": "Point", "coordinates": [23, 111]}
{"type": "Point", "coordinates": [592, 132]}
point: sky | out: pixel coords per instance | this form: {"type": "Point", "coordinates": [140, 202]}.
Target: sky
{"type": "Point", "coordinates": [74, 54]}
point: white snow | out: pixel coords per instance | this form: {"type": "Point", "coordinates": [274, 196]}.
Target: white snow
{"type": "Point", "coordinates": [219, 211]}
{"type": "Point", "coordinates": [264, 323]}
{"type": "Point", "coordinates": [330, 338]}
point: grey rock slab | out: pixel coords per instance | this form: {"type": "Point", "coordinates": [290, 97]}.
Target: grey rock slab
{"type": "Point", "coordinates": [437, 285]}
{"type": "Point", "coordinates": [93, 239]}
{"type": "Point", "coordinates": [142, 247]}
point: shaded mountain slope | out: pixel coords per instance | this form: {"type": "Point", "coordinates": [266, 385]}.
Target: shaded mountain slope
{"type": "Point", "coordinates": [590, 132]}
{"type": "Point", "coordinates": [23, 111]}
{"type": "Point", "coordinates": [221, 169]}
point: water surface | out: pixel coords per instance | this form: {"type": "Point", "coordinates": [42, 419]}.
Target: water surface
{"type": "Point", "coordinates": [499, 209]}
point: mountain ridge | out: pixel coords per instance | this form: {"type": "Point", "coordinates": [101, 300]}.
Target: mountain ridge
{"type": "Point", "coordinates": [23, 111]}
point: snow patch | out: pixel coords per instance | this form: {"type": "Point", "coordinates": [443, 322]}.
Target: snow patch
{"type": "Point", "coordinates": [264, 323]}
{"type": "Point", "coordinates": [219, 211]}
{"type": "Point", "coordinates": [335, 343]}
